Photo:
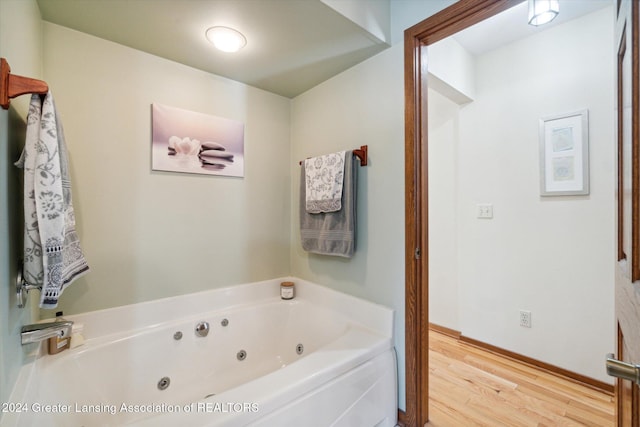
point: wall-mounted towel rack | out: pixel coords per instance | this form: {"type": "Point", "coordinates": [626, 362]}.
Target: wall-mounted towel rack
{"type": "Point", "coordinates": [23, 287]}
{"type": "Point", "coordinates": [361, 153]}
{"type": "Point", "coordinates": [12, 85]}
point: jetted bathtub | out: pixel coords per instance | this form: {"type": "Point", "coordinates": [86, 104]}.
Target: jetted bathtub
{"type": "Point", "coordinates": [321, 359]}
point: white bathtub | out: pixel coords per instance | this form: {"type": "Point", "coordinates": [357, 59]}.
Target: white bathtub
{"type": "Point", "coordinates": [345, 375]}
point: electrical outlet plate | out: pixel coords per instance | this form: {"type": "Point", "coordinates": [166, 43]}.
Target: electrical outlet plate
{"type": "Point", "coordinates": [525, 318]}
{"type": "Point", "coordinates": [484, 210]}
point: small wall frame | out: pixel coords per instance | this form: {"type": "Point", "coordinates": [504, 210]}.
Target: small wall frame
{"type": "Point", "coordinates": [564, 154]}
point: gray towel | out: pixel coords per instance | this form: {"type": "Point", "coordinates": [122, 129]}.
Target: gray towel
{"type": "Point", "coordinates": [331, 233]}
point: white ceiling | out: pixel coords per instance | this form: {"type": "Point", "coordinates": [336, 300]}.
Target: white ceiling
{"type": "Point", "coordinates": [292, 45]}
{"type": "Point", "coordinates": [511, 25]}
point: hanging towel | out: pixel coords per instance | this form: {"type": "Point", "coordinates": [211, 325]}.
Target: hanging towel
{"type": "Point", "coordinates": [324, 181]}
{"type": "Point", "coordinates": [52, 254]}
{"type": "Point", "coordinates": [331, 233]}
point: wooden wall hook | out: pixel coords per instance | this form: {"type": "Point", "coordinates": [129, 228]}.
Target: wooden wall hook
{"type": "Point", "coordinates": [12, 85]}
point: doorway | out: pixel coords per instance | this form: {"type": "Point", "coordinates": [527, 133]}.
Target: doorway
{"type": "Point", "coordinates": [444, 24]}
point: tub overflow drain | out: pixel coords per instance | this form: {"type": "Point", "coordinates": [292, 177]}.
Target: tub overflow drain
{"type": "Point", "coordinates": [164, 383]}
{"type": "Point", "coordinates": [299, 348]}
{"type": "Point", "coordinates": [241, 355]}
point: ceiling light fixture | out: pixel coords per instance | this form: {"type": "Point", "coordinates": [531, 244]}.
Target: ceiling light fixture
{"type": "Point", "coordinates": [226, 39]}
{"type": "Point", "coordinates": [542, 11]}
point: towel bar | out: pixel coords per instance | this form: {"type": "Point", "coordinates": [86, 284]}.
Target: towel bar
{"type": "Point", "coordinates": [23, 288]}
{"type": "Point", "coordinates": [362, 153]}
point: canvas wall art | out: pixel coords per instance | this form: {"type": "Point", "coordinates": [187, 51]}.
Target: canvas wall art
{"type": "Point", "coordinates": [191, 142]}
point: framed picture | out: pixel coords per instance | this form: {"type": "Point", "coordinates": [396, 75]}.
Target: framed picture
{"type": "Point", "coordinates": [191, 142]}
{"type": "Point", "coordinates": [564, 154]}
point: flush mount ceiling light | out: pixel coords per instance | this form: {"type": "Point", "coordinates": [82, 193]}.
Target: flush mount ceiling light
{"type": "Point", "coordinates": [226, 39]}
{"type": "Point", "coordinates": [542, 11]}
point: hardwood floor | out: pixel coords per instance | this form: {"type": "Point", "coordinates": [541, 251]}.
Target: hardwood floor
{"type": "Point", "coordinates": [470, 386]}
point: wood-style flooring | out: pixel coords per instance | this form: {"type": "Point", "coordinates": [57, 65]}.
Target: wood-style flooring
{"type": "Point", "coordinates": [470, 386]}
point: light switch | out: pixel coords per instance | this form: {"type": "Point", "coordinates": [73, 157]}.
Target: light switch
{"type": "Point", "coordinates": [484, 210]}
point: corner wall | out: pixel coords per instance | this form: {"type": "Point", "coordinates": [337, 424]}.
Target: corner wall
{"type": "Point", "coordinates": [363, 105]}
{"type": "Point", "coordinates": [444, 130]}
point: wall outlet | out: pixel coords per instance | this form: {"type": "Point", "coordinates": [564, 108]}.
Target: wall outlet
{"type": "Point", "coordinates": [525, 318]}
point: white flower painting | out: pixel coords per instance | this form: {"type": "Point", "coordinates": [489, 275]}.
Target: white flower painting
{"type": "Point", "coordinates": [192, 142]}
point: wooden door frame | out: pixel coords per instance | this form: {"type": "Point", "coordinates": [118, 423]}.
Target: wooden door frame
{"type": "Point", "coordinates": [445, 23]}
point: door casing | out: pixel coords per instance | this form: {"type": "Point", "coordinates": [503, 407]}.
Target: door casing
{"type": "Point", "coordinates": [445, 23]}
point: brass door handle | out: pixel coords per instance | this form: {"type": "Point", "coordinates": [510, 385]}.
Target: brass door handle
{"type": "Point", "coordinates": [624, 370]}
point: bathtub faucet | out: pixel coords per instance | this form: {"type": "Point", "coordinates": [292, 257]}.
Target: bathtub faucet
{"type": "Point", "coordinates": [42, 331]}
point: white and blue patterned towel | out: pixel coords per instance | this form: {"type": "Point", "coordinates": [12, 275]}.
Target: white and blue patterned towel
{"type": "Point", "coordinates": [52, 254]}
{"type": "Point", "coordinates": [324, 179]}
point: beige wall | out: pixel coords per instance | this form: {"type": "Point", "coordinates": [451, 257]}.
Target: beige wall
{"type": "Point", "coordinates": [148, 234]}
